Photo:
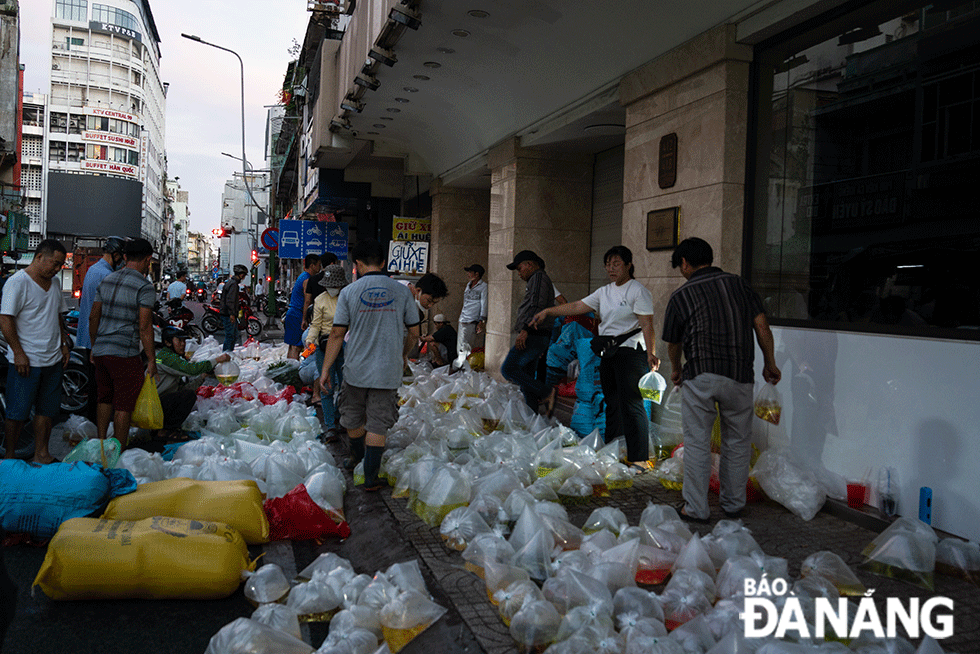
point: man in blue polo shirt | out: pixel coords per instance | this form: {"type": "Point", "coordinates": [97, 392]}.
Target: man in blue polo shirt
{"type": "Point", "coordinates": [381, 317]}
{"type": "Point", "coordinates": [711, 319]}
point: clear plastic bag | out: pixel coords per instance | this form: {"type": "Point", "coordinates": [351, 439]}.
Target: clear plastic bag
{"type": "Point", "coordinates": [244, 636]}
{"type": "Point", "coordinates": [323, 564]}
{"type": "Point", "coordinates": [906, 550]}
{"type": "Point", "coordinates": [104, 452]}
{"type": "Point", "coordinates": [406, 616]}
{"type": "Point", "coordinates": [314, 601]}
{"type": "Point", "coordinates": [959, 558]}
{"type": "Point", "coordinates": [510, 599]}
{"type": "Point", "coordinates": [146, 467]}
{"type": "Point", "coordinates": [831, 567]}
{"type": "Point", "coordinates": [460, 526]}
{"type": "Point", "coordinates": [535, 624]}
{"type": "Point", "coordinates": [267, 584]}
{"type": "Point", "coordinates": [606, 517]}
{"type": "Point", "coordinates": [638, 603]}
{"type": "Point", "coordinates": [448, 489]}
{"type": "Point", "coordinates": [279, 617]}
{"type": "Point", "coordinates": [591, 619]}
{"type": "Point", "coordinates": [788, 483]}
{"type": "Point", "coordinates": [79, 429]}
{"type": "Point", "coordinates": [768, 404]}
{"type": "Point", "coordinates": [406, 576]}
{"type": "Point", "coordinates": [535, 556]}
{"type": "Point", "coordinates": [356, 617]}
{"type": "Point", "coordinates": [694, 556]}
{"type": "Point", "coordinates": [498, 576]}
{"type": "Point", "coordinates": [484, 548]}
{"type": "Point", "coordinates": [570, 588]}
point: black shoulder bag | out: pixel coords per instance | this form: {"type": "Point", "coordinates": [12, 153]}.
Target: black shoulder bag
{"type": "Point", "coordinates": [605, 346]}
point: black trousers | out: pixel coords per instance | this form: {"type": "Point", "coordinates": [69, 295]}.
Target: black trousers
{"type": "Point", "coordinates": [177, 405]}
{"type": "Point", "coordinates": [625, 416]}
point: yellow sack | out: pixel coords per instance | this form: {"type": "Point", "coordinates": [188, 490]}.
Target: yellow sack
{"type": "Point", "coordinates": [148, 413]}
{"type": "Point", "coordinates": [156, 558]}
{"type": "Point", "coordinates": [237, 503]}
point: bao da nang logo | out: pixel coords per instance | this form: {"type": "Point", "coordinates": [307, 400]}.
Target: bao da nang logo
{"type": "Point", "coordinates": [376, 297]}
{"type": "Point", "coordinates": [772, 610]}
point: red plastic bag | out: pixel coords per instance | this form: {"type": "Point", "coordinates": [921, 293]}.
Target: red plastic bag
{"type": "Point", "coordinates": [297, 517]}
{"type": "Point", "coordinates": [567, 388]}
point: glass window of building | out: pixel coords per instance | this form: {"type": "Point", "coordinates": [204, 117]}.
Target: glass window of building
{"type": "Point", "coordinates": [96, 151]}
{"type": "Point", "coordinates": [76, 151]}
{"type": "Point", "coordinates": [113, 16]}
{"type": "Point", "coordinates": [71, 9]}
{"type": "Point", "coordinates": [59, 122]}
{"type": "Point", "coordinates": [56, 150]}
{"type": "Point", "coordinates": [868, 133]}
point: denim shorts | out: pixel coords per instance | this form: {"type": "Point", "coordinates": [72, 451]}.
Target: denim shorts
{"type": "Point", "coordinates": [41, 389]}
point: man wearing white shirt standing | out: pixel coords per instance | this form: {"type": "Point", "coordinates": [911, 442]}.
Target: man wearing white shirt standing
{"type": "Point", "coordinates": [37, 347]}
{"type": "Point", "coordinates": [178, 287]}
{"type": "Point", "coordinates": [473, 316]}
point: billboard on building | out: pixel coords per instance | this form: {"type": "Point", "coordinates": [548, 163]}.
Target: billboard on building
{"type": "Point", "coordinates": [92, 205]}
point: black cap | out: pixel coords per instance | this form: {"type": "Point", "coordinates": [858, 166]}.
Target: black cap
{"type": "Point", "coordinates": [477, 268]}
{"type": "Point", "coordinates": [525, 255]}
{"type": "Point", "coordinates": [139, 247]}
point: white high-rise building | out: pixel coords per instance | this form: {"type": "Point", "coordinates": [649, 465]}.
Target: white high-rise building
{"type": "Point", "coordinates": [106, 123]}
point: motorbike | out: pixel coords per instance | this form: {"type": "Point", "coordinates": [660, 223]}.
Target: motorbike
{"type": "Point", "coordinates": [211, 321]}
{"type": "Point", "coordinates": [178, 316]}
{"type": "Point", "coordinates": [74, 397]}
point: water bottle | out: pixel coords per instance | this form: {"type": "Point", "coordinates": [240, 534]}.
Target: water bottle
{"type": "Point", "coordinates": [888, 491]}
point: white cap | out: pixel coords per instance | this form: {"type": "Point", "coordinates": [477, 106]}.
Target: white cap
{"type": "Point", "coordinates": [439, 318]}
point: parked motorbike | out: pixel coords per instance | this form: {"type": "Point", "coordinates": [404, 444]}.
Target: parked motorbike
{"type": "Point", "coordinates": [74, 397]}
{"type": "Point", "coordinates": [211, 321]}
{"type": "Point", "coordinates": [177, 315]}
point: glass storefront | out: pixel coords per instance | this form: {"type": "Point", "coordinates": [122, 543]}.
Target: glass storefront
{"type": "Point", "coordinates": [867, 153]}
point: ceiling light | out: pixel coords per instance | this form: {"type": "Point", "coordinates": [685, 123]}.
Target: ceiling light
{"type": "Point", "coordinates": [424, 78]}
{"type": "Point", "coordinates": [432, 64]}
{"type": "Point", "coordinates": [606, 127]}
{"type": "Point", "coordinates": [402, 100]}
{"type": "Point", "coordinates": [379, 125]}
{"type": "Point", "coordinates": [460, 33]}
{"type": "Point", "coordinates": [477, 13]}
{"type": "Point", "coordinates": [385, 118]}
{"type": "Point", "coordinates": [411, 89]}
{"type": "Point", "coordinates": [393, 110]}
{"type": "Point", "coordinates": [445, 50]}
{"type": "Point", "coordinates": [373, 133]}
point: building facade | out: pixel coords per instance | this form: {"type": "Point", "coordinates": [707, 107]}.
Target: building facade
{"type": "Point", "coordinates": [818, 145]}
{"type": "Point", "coordinates": [105, 123]}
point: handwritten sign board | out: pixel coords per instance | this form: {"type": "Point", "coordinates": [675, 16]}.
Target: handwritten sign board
{"type": "Point", "coordinates": [411, 229]}
{"type": "Point", "coordinates": [408, 257]}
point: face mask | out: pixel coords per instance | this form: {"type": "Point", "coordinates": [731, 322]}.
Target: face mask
{"type": "Point", "coordinates": [333, 292]}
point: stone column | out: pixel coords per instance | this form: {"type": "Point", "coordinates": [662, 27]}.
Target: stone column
{"type": "Point", "coordinates": [540, 201]}
{"type": "Point", "coordinates": [460, 228]}
{"type": "Point", "coordinates": [698, 91]}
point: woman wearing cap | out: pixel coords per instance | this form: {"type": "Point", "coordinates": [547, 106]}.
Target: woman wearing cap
{"type": "Point", "coordinates": [324, 306]}
{"type": "Point", "coordinates": [179, 379]}
{"type": "Point", "coordinates": [622, 305]}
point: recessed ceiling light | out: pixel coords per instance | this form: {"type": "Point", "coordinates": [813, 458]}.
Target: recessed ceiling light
{"type": "Point", "coordinates": [402, 100]}
{"type": "Point", "coordinates": [460, 33]}
{"type": "Point", "coordinates": [411, 89]}
{"type": "Point", "coordinates": [605, 127]}
{"type": "Point", "coordinates": [393, 110]}
{"type": "Point", "coordinates": [477, 13]}
{"type": "Point", "coordinates": [432, 64]}
{"type": "Point", "coordinates": [379, 125]}
{"type": "Point", "coordinates": [385, 118]}
{"type": "Point", "coordinates": [446, 50]}
{"type": "Point", "coordinates": [424, 78]}
{"type": "Point", "coordinates": [373, 133]}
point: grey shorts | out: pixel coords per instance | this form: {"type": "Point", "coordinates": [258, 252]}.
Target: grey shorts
{"type": "Point", "coordinates": [375, 409]}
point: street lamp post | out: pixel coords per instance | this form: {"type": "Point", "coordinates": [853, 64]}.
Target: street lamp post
{"type": "Point", "coordinates": [271, 304]}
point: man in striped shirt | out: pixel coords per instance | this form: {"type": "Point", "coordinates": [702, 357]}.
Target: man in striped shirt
{"type": "Point", "coordinates": [711, 319]}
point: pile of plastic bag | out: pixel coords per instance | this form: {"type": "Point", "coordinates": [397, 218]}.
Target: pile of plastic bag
{"type": "Point", "coordinates": [467, 455]}
{"type": "Point", "coordinates": [387, 610]}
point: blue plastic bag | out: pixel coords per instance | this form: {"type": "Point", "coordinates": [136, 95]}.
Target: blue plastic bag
{"type": "Point", "coordinates": [36, 499]}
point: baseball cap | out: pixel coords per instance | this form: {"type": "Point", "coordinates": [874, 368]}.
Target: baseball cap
{"type": "Point", "coordinates": [439, 318]}
{"type": "Point", "coordinates": [477, 268]}
{"type": "Point", "coordinates": [525, 255]}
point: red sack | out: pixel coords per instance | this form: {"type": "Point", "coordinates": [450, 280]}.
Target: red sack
{"type": "Point", "coordinates": [297, 517]}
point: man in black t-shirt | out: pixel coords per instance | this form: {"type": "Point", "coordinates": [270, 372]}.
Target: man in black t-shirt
{"type": "Point", "coordinates": [442, 342]}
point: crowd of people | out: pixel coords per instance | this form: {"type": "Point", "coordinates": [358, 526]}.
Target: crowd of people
{"type": "Point", "coordinates": [363, 332]}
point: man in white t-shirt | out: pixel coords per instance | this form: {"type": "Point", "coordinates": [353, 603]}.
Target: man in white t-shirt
{"type": "Point", "coordinates": [37, 347]}
{"type": "Point", "coordinates": [178, 287]}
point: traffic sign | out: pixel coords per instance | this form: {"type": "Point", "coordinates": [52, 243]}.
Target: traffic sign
{"type": "Point", "coordinates": [299, 238]}
{"type": "Point", "coordinates": [270, 238]}
{"type": "Point", "coordinates": [337, 238]}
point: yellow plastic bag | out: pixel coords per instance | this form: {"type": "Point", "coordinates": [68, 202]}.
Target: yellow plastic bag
{"type": "Point", "coordinates": [237, 503]}
{"type": "Point", "coordinates": [156, 558]}
{"type": "Point", "coordinates": [148, 413]}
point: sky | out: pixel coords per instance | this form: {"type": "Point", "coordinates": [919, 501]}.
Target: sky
{"type": "Point", "coordinates": [204, 101]}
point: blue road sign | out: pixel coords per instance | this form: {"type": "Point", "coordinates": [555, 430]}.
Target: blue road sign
{"type": "Point", "coordinates": [336, 239]}
{"type": "Point", "coordinates": [290, 239]}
